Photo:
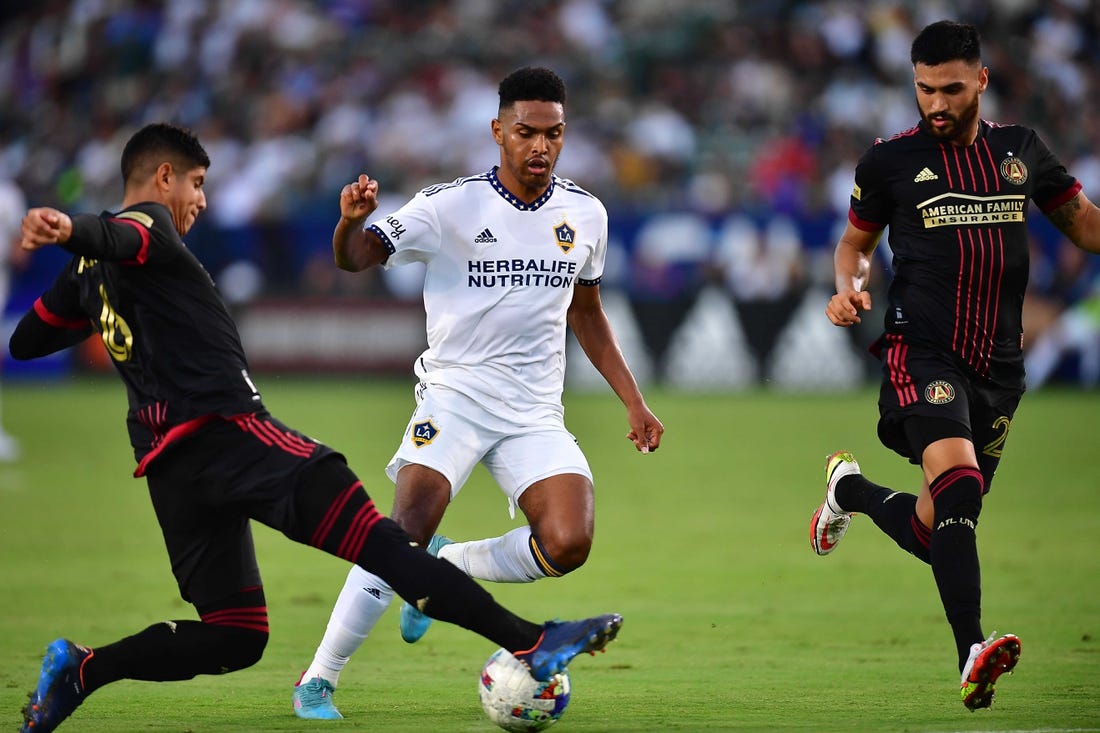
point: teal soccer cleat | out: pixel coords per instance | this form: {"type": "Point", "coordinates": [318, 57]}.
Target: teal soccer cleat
{"type": "Point", "coordinates": [414, 624]}
{"type": "Point", "coordinates": [59, 691]}
{"type": "Point", "coordinates": [313, 700]}
{"type": "Point", "coordinates": [563, 640]}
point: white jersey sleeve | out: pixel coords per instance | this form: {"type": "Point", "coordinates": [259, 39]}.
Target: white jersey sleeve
{"type": "Point", "coordinates": [411, 234]}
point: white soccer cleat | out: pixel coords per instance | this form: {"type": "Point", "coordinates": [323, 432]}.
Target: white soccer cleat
{"type": "Point", "coordinates": [830, 522]}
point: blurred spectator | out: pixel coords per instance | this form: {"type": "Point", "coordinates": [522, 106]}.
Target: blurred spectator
{"type": "Point", "coordinates": [1075, 332]}
{"type": "Point", "coordinates": [764, 272]}
{"type": "Point", "coordinates": [13, 205]}
{"type": "Point", "coordinates": [700, 107]}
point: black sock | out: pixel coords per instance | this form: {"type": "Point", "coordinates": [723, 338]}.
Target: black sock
{"type": "Point", "coordinates": [334, 513]}
{"type": "Point", "coordinates": [894, 512]}
{"type": "Point", "coordinates": [956, 495]}
{"type": "Point", "coordinates": [448, 594]}
{"type": "Point", "coordinates": [174, 650]}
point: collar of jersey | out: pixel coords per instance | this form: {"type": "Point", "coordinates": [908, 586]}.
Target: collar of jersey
{"type": "Point", "coordinates": [510, 197]}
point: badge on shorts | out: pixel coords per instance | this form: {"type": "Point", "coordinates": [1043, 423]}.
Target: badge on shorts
{"type": "Point", "coordinates": [423, 433]}
{"type": "Point", "coordinates": [939, 392]}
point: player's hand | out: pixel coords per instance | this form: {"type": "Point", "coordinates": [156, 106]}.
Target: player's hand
{"type": "Point", "coordinates": [359, 198]}
{"type": "Point", "coordinates": [645, 429]}
{"type": "Point", "coordinates": [844, 308]}
{"type": "Point", "coordinates": [43, 226]}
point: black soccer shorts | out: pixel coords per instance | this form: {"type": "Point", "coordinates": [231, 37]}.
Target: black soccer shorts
{"type": "Point", "coordinates": [926, 396]}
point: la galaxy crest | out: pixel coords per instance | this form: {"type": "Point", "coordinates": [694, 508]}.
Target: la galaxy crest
{"type": "Point", "coordinates": [1013, 170]}
{"type": "Point", "coordinates": [566, 236]}
{"type": "Point", "coordinates": [423, 432]}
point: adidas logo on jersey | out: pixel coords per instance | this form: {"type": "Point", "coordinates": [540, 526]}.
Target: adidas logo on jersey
{"type": "Point", "coordinates": [926, 175]}
{"type": "Point", "coordinates": [486, 237]}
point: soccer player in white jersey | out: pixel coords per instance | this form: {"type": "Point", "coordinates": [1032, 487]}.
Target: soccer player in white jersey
{"type": "Point", "coordinates": [512, 256]}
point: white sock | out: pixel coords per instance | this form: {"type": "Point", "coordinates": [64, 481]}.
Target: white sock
{"type": "Point", "coordinates": [504, 559]}
{"type": "Point", "coordinates": [362, 601]}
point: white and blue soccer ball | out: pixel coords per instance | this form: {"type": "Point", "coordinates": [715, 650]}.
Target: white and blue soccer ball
{"type": "Point", "coordinates": [515, 700]}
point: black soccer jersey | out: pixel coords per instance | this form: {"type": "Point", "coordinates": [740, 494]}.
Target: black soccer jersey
{"type": "Point", "coordinates": [958, 232]}
{"type": "Point", "coordinates": [161, 318]}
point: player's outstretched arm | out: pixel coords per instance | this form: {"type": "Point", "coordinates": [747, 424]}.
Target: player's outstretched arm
{"type": "Point", "coordinates": [354, 248]}
{"type": "Point", "coordinates": [589, 323]}
{"type": "Point", "coordinates": [1079, 219]}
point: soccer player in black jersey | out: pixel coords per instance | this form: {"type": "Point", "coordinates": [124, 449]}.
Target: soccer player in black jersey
{"type": "Point", "coordinates": [213, 457]}
{"type": "Point", "coordinates": [954, 191]}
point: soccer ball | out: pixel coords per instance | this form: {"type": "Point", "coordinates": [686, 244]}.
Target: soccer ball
{"type": "Point", "coordinates": [515, 700]}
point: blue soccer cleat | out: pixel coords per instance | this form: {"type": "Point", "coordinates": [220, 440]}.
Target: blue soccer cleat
{"type": "Point", "coordinates": [313, 700]}
{"type": "Point", "coordinates": [414, 623]}
{"type": "Point", "coordinates": [59, 691]}
{"type": "Point", "coordinates": [563, 640]}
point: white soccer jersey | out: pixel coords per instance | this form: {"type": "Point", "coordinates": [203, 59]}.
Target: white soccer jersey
{"type": "Point", "coordinates": [500, 276]}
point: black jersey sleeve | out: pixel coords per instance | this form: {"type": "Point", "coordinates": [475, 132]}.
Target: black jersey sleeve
{"type": "Point", "coordinates": [53, 323]}
{"type": "Point", "coordinates": [871, 204]}
{"type": "Point", "coordinates": [1054, 186]}
{"type": "Point", "coordinates": [134, 236]}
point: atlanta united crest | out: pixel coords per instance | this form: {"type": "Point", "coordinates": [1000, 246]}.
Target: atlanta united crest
{"type": "Point", "coordinates": [423, 433]}
{"type": "Point", "coordinates": [1013, 170]}
{"type": "Point", "coordinates": [566, 236]}
{"type": "Point", "coordinates": [939, 392]}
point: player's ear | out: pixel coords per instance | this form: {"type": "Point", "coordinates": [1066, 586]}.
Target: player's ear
{"type": "Point", "coordinates": [164, 175]}
{"type": "Point", "coordinates": [498, 131]}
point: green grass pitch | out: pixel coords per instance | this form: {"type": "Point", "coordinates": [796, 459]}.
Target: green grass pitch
{"type": "Point", "coordinates": [731, 622]}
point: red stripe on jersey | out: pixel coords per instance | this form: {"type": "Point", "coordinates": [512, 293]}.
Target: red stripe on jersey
{"type": "Point", "coordinates": [970, 337]}
{"type": "Point", "coordinates": [999, 247]}
{"type": "Point", "coordinates": [958, 294]}
{"type": "Point", "coordinates": [983, 349]}
{"type": "Point", "coordinates": [867, 226]}
{"type": "Point", "coordinates": [329, 520]}
{"type": "Point", "coordinates": [52, 319]}
{"type": "Point", "coordinates": [1048, 206]}
{"type": "Point", "coordinates": [992, 165]}
{"type": "Point", "coordinates": [947, 166]}
{"type": "Point", "coordinates": [900, 377]}
{"type": "Point", "coordinates": [142, 254]}
{"type": "Point", "coordinates": [970, 167]}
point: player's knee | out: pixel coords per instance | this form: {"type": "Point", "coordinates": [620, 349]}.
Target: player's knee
{"type": "Point", "coordinates": [561, 551]}
{"type": "Point", "coordinates": [957, 496]}
{"type": "Point", "coordinates": [236, 629]}
{"type": "Point", "coordinates": [243, 648]}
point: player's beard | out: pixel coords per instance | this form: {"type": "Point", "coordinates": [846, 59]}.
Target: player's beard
{"type": "Point", "coordinates": [959, 125]}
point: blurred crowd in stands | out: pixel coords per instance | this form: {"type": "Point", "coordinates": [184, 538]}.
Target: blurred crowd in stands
{"type": "Point", "coordinates": [721, 135]}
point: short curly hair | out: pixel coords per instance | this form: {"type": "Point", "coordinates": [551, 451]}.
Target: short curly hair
{"type": "Point", "coordinates": [531, 83]}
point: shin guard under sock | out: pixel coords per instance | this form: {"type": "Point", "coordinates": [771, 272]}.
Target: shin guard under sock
{"type": "Point", "coordinates": [957, 497]}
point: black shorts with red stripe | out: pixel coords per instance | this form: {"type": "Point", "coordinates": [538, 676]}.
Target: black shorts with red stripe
{"type": "Point", "coordinates": [207, 485]}
{"type": "Point", "coordinates": [926, 395]}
